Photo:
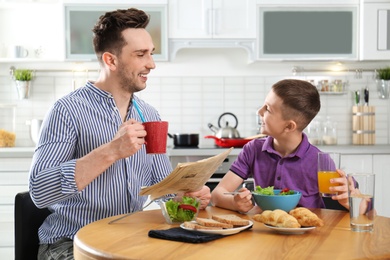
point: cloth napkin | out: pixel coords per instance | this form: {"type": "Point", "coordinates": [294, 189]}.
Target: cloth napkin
{"type": "Point", "coordinates": [182, 235]}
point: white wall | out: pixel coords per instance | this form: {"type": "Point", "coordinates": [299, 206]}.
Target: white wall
{"type": "Point", "coordinates": [197, 87]}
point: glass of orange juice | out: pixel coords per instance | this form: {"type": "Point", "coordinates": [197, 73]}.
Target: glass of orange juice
{"type": "Point", "coordinates": [327, 165]}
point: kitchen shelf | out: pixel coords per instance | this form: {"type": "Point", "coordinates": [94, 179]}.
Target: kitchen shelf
{"type": "Point", "coordinates": [329, 93]}
{"type": "Point", "coordinates": [25, 60]}
{"type": "Point", "coordinates": [358, 71]}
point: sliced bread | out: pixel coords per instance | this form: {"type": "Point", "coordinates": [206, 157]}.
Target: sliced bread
{"type": "Point", "coordinates": [193, 225]}
{"type": "Point", "coordinates": [208, 222]}
{"type": "Point", "coordinates": [231, 219]}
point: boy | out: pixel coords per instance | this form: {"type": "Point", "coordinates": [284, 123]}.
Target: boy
{"type": "Point", "coordinates": [285, 159]}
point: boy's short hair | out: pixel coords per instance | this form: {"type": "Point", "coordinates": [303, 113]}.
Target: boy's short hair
{"type": "Point", "coordinates": [301, 100]}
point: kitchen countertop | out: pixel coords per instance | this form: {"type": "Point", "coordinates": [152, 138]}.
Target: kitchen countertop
{"type": "Point", "coordinates": [9, 152]}
{"type": "Point", "coordinates": [343, 149]}
{"type": "Point", "coordinates": [21, 152]}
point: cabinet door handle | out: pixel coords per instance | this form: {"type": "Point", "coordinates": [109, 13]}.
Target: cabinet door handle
{"type": "Point", "coordinates": [215, 22]}
{"type": "Point", "coordinates": [209, 21]}
{"type": "Point", "coordinates": [383, 19]}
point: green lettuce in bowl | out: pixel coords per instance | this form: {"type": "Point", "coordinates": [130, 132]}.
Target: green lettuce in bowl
{"type": "Point", "coordinates": [270, 191]}
{"type": "Point", "coordinates": [270, 199]}
{"type": "Point", "coordinates": [180, 209]}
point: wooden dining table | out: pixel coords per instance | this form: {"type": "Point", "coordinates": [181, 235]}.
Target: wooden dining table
{"type": "Point", "coordinates": [128, 239]}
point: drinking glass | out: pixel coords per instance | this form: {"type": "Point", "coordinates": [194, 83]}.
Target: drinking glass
{"type": "Point", "coordinates": [327, 165]}
{"type": "Point", "coordinates": [361, 193]}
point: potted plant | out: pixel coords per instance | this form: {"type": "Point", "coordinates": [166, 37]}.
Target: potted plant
{"type": "Point", "coordinates": [23, 78]}
{"type": "Point", "coordinates": [383, 82]}
{"type": "Point", "coordinates": [23, 75]}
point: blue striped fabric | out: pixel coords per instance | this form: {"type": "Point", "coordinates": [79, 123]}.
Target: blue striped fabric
{"type": "Point", "coordinates": [78, 123]}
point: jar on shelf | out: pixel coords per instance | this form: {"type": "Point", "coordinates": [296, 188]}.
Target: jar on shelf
{"type": "Point", "coordinates": [7, 125]}
{"type": "Point", "coordinates": [311, 81]}
{"type": "Point", "coordinates": [330, 132]}
{"type": "Point", "coordinates": [323, 85]}
{"type": "Point", "coordinates": [337, 86]}
{"type": "Point", "coordinates": [314, 132]}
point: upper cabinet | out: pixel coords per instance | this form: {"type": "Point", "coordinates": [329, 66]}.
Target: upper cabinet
{"type": "Point", "coordinates": [61, 30]}
{"type": "Point", "coordinates": [308, 30]}
{"type": "Point", "coordinates": [35, 27]}
{"type": "Point", "coordinates": [212, 19]}
{"type": "Point", "coordinates": [212, 24]}
{"type": "Point", "coordinates": [375, 30]}
{"type": "Point", "coordinates": [81, 18]}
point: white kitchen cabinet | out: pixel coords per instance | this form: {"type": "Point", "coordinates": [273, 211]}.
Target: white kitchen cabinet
{"type": "Point", "coordinates": [375, 33]}
{"type": "Point", "coordinates": [356, 163]}
{"type": "Point", "coordinates": [41, 33]}
{"type": "Point", "coordinates": [372, 163]}
{"type": "Point", "coordinates": [13, 179]}
{"type": "Point", "coordinates": [381, 166]}
{"type": "Point", "coordinates": [214, 19]}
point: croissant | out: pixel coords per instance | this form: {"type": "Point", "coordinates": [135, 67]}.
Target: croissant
{"type": "Point", "coordinates": [277, 218]}
{"type": "Point", "coordinates": [306, 218]}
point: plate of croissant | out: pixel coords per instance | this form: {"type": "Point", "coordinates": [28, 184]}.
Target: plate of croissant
{"type": "Point", "coordinates": [288, 231]}
{"type": "Point", "coordinates": [296, 221]}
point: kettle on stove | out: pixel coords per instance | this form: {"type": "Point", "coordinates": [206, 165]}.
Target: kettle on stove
{"type": "Point", "coordinates": [226, 131]}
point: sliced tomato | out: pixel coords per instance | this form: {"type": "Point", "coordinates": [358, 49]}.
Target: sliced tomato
{"type": "Point", "coordinates": [286, 190]}
{"type": "Point", "coordinates": [187, 207]}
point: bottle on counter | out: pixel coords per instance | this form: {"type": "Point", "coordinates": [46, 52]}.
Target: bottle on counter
{"type": "Point", "coordinates": [330, 132]}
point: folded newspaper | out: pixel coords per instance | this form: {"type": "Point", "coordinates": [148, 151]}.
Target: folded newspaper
{"type": "Point", "coordinates": [186, 177]}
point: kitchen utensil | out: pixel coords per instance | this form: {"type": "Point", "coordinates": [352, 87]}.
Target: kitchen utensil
{"type": "Point", "coordinates": [229, 142]}
{"type": "Point", "coordinates": [232, 193]}
{"type": "Point", "coordinates": [226, 131]}
{"type": "Point", "coordinates": [185, 140]}
{"type": "Point", "coordinates": [35, 127]}
{"type": "Point", "coordinates": [357, 97]}
{"type": "Point", "coordinates": [366, 96]}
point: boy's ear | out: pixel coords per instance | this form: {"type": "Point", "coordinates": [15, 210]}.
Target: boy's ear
{"type": "Point", "coordinates": [291, 126]}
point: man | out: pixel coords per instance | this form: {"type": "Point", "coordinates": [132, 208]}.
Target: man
{"type": "Point", "coordinates": [90, 162]}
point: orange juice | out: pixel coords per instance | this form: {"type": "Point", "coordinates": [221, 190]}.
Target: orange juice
{"type": "Point", "coordinates": [324, 180]}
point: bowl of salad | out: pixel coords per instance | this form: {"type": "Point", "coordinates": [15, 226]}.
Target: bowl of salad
{"type": "Point", "coordinates": [270, 199]}
{"type": "Point", "coordinates": [180, 209]}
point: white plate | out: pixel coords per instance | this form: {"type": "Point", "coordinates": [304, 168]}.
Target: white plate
{"type": "Point", "coordinates": [289, 231]}
{"type": "Point", "coordinates": [226, 231]}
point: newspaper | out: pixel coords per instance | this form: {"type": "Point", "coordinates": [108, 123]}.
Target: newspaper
{"type": "Point", "coordinates": [186, 177]}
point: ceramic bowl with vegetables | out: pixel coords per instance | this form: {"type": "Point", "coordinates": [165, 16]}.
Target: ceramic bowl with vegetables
{"type": "Point", "coordinates": [180, 209]}
{"type": "Point", "coordinates": [270, 199]}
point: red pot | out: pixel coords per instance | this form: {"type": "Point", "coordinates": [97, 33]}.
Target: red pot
{"type": "Point", "coordinates": [229, 142]}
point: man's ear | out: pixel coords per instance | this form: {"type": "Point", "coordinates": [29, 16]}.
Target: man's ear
{"type": "Point", "coordinates": [110, 60]}
{"type": "Point", "coordinates": [291, 126]}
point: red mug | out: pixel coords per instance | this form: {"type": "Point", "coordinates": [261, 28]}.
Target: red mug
{"type": "Point", "coordinates": [156, 136]}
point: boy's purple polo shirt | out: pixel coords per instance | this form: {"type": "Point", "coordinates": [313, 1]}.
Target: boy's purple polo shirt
{"type": "Point", "coordinates": [297, 171]}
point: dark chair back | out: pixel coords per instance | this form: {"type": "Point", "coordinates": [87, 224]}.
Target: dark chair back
{"type": "Point", "coordinates": [332, 204]}
{"type": "Point", "coordinates": [28, 219]}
